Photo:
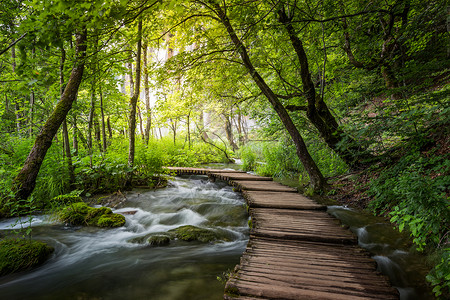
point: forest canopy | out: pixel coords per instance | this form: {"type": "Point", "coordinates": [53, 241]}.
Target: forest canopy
{"type": "Point", "coordinates": [98, 96]}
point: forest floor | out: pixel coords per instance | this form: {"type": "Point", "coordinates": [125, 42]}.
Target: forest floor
{"type": "Point", "coordinates": [351, 189]}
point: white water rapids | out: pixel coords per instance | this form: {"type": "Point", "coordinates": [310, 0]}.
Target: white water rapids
{"type": "Point", "coordinates": [94, 263]}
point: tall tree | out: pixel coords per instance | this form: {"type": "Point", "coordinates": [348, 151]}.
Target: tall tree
{"type": "Point", "coordinates": [64, 124]}
{"type": "Point", "coordinates": [317, 110]}
{"type": "Point", "coordinates": [148, 125]}
{"type": "Point", "coordinates": [25, 181]}
{"type": "Point", "coordinates": [102, 112]}
{"type": "Point", "coordinates": [317, 180]}
{"type": "Point", "coordinates": [134, 98]}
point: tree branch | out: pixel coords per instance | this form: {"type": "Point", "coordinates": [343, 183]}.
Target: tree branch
{"type": "Point", "coordinates": [13, 43]}
{"type": "Point", "coordinates": [296, 108]}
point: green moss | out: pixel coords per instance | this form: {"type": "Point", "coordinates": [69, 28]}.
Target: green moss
{"type": "Point", "coordinates": [20, 254]}
{"type": "Point", "coordinates": [81, 214]}
{"type": "Point", "coordinates": [159, 240]}
{"type": "Point", "coordinates": [111, 220]}
{"type": "Point", "coordinates": [192, 233]}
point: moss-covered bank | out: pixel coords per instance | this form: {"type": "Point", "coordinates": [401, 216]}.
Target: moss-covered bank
{"type": "Point", "coordinates": [81, 214]}
{"type": "Point", "coordinates": [21, 254]}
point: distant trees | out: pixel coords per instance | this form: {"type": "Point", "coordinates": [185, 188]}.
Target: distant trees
{"type": "Point", "coordinates": [95, 24]}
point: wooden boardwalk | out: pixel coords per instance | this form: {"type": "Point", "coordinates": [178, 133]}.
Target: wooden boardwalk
{"type": "Point", "coordinates": [296, 250]}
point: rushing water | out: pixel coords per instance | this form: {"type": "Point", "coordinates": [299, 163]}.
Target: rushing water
{"type": "Point", "coordinates": [93, 263]}
{"type": "Point", "coordinates": [392, 251]}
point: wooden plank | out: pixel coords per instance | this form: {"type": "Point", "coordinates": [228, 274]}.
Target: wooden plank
{"type": "Point", "coordinates": [299, 225]}
{"type": "Point", "coordinates": [269, 186]}
{"type": "Point", "coordinates": [300, 270]}
{"type": "Point", "coordinates": [266, 199]}
{"type": "Point", "coordinates": [239, 176]}
{"type": "Point", "coordinates": [275, 290]}
{"type": "Point", "coordinates": [198, 171]}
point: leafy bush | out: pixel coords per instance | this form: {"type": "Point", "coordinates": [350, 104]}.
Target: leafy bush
{"type": "Point", "coordinates": [413, 194]}
{"type": "Point", "coordinates": [248, 157]}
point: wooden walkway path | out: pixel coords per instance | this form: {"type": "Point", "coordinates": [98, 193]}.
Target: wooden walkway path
{"type": "Point", "coordinates": [296, 250]}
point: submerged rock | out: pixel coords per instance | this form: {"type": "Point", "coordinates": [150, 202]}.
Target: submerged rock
{"type": "Point", "coordinates": [193, 233]}
{"type": "Point", "coordinates": [187, 233]}
{"type": "Point", "coordinates": [159, 240]}
{"type": "Point", "coordinates": [21, 254]}
{"type": "Point", "coordinates": [81, 214]}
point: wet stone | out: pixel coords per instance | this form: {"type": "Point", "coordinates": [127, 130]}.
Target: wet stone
{"type": "Point", "coordinates": [159, 240]}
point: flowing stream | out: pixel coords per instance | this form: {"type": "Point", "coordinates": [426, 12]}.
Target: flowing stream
{"type": "Point", "coordinates": [95, 263]}
{"type": "Point", "coordinates": [393, 251]}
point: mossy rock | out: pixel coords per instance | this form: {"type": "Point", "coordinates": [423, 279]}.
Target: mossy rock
{"type": "Point", "coordinates": [111, 220]}
{"type": "Point", "coordinates": [192, 233]}
{"type": "Point", "coordinates": [81, 214]}
{"type": "Point", "coordinates": [21, 254]}
{"type": "Point", "coordinates": [154, 239]}
{"type": "Point", "coordinates": [159, 240]}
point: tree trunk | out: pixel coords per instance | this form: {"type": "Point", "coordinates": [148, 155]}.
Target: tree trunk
{"type": "Point", "coordinates": [229, 132]}
{"type": "Point", "coordinates": [239, 128]}
{"type": "Point", "coordinates": [148, 126]}
{"type": "Point", "coordinates": [316, 177]}
{"type": "Point", "coordinates": [130, 76]}
{"type": "Point", "coordinates": [16, 105]}
{"type": "Point", "coordinates": [65, 132]}
{"type": "Point", "coordinates": [188, 123]}
{"type": "Point", "coordinates": [133, 101]}
{"type": "Point", "coordinates": [98, 136]}
{"type": "Point", "coordinates": [91, 118]}
{"type": "Point", "coordinates": [141, 123]}
{"type": "Point", "coordinates": [25, 181]}
{"type": "Point", "coordinates": [103, 120]}
{"type": "Point", "coordinates": [173, 125]}
{"type": "Point", "coordinates": [317, 110]}
{"type": "Point", "coordinates": [32, 100]}
{"type": "Point", "coordinates": [30, 128]}
{"type": "Point", "coordinates": [75, 138]}
{"type": "Point", "coordinates": [109, 128]}
{"type": "Point", "coordinates": [201, 122]}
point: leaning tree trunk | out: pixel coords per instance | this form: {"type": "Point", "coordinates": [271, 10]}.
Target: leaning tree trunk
{"type": "Point", "coordinates": [64, 124]}
{"type": "Point", "coordinates": [317, 111]}
{"type": "Point", "coordinates": [25, 181]}
{"type": "Point", "coordinates": [133, 101]}
{"type": "Point", "coordinates": [316, 177]}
